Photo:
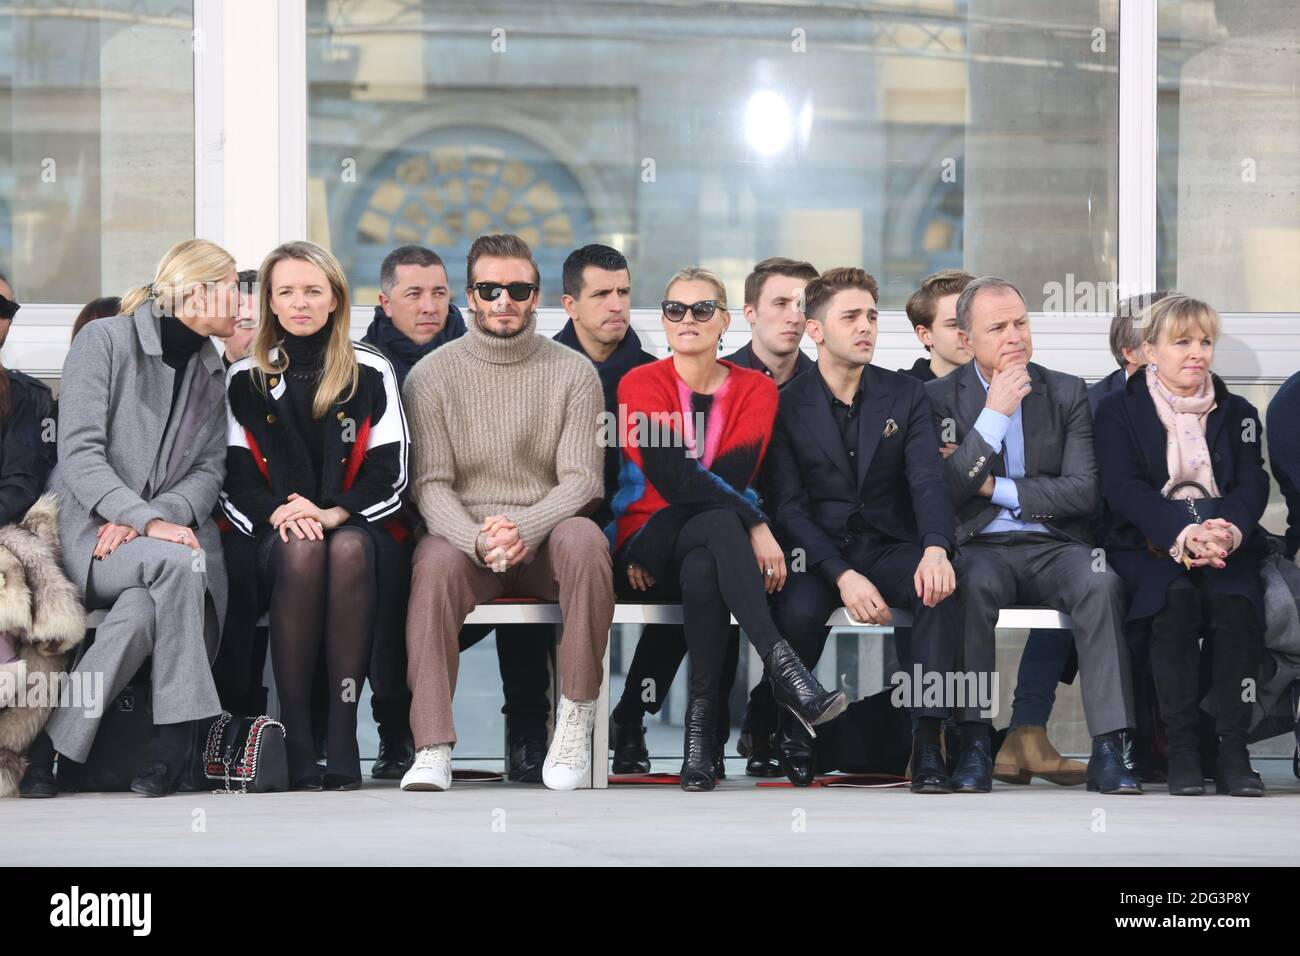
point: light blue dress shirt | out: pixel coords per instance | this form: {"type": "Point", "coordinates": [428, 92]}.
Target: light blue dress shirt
{"type": "Point", "coordinates": [998, 429]}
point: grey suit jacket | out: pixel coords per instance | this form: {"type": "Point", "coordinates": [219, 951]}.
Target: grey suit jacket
{"type": "Point", "coordinates": [1060, 488]}
{"type": "Point", "coordinates": [121, 460]}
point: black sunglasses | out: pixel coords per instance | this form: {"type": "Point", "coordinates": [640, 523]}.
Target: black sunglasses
{"type": "Point", "coordinates": [675, 311]}
{"type": "Point", "coordinates": [519, 291]}
{"type": "Point", "coordinates": [8, 308]}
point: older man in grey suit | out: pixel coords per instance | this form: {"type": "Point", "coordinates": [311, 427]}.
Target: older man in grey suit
{"type": "Point", "coordinates": [142, 445]}
{"type": "Point", "coordinates": [1024, 483]}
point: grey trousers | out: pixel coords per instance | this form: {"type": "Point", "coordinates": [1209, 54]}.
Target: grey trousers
{"type": "Point", "coordinates": [1003, 569]}
{"type": "Point", "coordinates": [158, 596]}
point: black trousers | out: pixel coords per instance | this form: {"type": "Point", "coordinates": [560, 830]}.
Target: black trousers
{"type": "Point", "coordinates": [714, 577]}
{"type": "Point", "coordinates": [523, 656]}
{"type": "Point", "coordinates": [808, 598]}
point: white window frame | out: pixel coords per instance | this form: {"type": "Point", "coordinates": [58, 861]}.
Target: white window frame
{"type": "Point", "coordinates": [250, 179]}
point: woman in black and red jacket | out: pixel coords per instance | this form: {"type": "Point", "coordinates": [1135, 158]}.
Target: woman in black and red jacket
{"type": "Point", "coordinates": [315, 468]}
{"type": "Point", "coordinates": [687, 521]}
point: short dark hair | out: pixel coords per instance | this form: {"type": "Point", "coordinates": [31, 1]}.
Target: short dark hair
{"type": "Point", "coordinates": [405, 256]}
{"type": "Point", "coordinates": [602, 257]}
{"type": "Point", "coordinates": [967, 297]}
{"type": "Point", "coordinates": [776, 266]}
{"type": "Point", "coordinates": [822, 289]}
{"type": "Point", "coordinates": [1124, 333]}
{"type": "Point", "coordinates": [921, 304]}
{"type": "Point", "coordinates": [499, 246]}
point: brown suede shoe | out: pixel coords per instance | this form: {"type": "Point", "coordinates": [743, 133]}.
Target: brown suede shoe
{"type": "Point", "coordinates": [1027, 753]}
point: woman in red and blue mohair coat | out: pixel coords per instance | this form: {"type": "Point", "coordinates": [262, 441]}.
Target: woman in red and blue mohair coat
{"type": "Point", "coordinates": [687, 522]}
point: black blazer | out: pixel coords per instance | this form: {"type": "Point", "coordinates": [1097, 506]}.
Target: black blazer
{"type": "Point", "coordinates": [365, 461]}
{"type": "Point", "coordinates": [1131, 443]}
{"type": "Point", "coordinates": [819, 501]}
{"type": "Point", "coordinates": [1059, 489]}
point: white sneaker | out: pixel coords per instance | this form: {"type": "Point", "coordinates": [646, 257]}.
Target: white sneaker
{"type": "Point", "coordinates": [568, 762]}
{"type": "Point", "coordinates": [431, 769]}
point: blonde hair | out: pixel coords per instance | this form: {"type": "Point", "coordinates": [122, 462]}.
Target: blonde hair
{"type": "Point", "coordinates": [697, 273]}
{"type": "Point", "coordinates": [1175, 315]}
{"type": "Point", "coordinates": [338, 381]}
{"type": "Point", "coordinates": [187, 265]}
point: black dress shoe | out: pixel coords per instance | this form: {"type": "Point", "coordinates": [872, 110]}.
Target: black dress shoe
{"type": "Point", "coordinates": [338, 781]}
{"type": "Point", "coordinates": [929, 773]}
{"type": "Point", "coordinates": [1110, 768]}
{"type": "Point", "coordinates": [155, 780]}
{"type": "Point", "coordinates": [761, 759]}
{"type": "Point", "coordinates": [720, 761]}
{"type": "Point", "coordinates": [527, 755]}
{"type": "Point", "coordinates": [699, 752]}
{"type": "Point", "coordinates": [38, 783]}
{"type": "Point", "coordinates": [396, 754]}
{"type": "Point", "coordinates": [974, 771]}
{"type": "Point", "coordinates": [1233, 773]}
{"type": "Point", "coordinates": [798, 691]}
{"type": "Point", "coordinates": [628, 743]}
{"type": "Point", "coordinates": [794, 744]}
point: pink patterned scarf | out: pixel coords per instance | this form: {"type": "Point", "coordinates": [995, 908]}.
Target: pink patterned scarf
{"type": "Point", "coordinates": [1187, 453]}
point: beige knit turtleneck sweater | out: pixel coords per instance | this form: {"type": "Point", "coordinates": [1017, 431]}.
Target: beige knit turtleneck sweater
{"type": "Point", "coordinates": [503, 426]}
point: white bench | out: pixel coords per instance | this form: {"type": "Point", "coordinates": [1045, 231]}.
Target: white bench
{"type": "Point", "coordinates": [534, 612]}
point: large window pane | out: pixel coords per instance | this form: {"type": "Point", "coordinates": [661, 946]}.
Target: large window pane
{"type": "Point", "coordinates": [96, 143]}
{"type": "Point", "coordinates": [905, 137]}
{"type": "Point", "coordinates": [1228, 204]}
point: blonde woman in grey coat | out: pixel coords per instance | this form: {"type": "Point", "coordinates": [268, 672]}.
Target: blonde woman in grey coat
{"type": "Point", "coordinates": [142, 447]}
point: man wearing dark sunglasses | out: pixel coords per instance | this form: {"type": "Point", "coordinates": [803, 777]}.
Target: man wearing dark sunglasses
{"type": "Point", "coordinates": [8, 308]}
{"type": "Point", "coordinates": [505, 464]}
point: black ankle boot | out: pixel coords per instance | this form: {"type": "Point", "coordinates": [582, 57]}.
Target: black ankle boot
{"type": "Point", "coordinates": [794, 744]}
{"type": "Point", "coordinates": [628, 743]}
{"type": "Point", "coordinates": [171, 754]}
{"type": "Point", "coordinates": [1233, 773]}
{"type": "Point", "coordinates": [699, 750]}
{"type": "Point", "coordinates": [798, 691]}
{"type": "Point", "coordinates": [1186, 778]}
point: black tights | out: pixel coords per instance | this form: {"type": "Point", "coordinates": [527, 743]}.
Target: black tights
{"type": "Point", "coordinates": [717, 576]}
{"type": "Point", "coordinates": [322, 590]}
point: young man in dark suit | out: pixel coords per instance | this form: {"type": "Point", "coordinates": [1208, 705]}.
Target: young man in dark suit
{"type": "Point", "coordinates": [1025, 489]}
{"type": "Point", "coordinates": [855, 486]}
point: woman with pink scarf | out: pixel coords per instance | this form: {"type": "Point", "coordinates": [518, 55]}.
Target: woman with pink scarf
{"type": "Point", "coordinates": [1182, 472]}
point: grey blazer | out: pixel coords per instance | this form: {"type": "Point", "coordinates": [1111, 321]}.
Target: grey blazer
{"type": "Point", "coordinates": [1060, 488]}
{"type": "Point", "coordinates": [121, 460]}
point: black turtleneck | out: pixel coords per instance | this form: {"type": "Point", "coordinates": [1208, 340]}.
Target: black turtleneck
{"type": "Point", "coordinates": [180, 343]}
{"type": "Point", "coordinates": [306, 362]}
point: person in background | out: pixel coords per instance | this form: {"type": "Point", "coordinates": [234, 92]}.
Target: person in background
{"type": "Point", "coordinates": [1126, 329]}
{"type": "Point", "coordinates": [598, 298]}
{"type": "Point", "coordinates": [1284, 455]}
{"type": "Point", "coordinates": [1183, 475]}
{"type": "Point", "coordinates": [316, 467]}
{"type": "Point", "coordinates": [101, 308]}
{"type": "Point", "coordinates": [141, 442]}
{"type": "Point", "coordinates": [932, 310]}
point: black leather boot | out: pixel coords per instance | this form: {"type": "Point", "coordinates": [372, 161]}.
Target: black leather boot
{"type": "Point", "coordinates": [700, 746]}
{"type": "Point", "coordinates": [1233, 773]}
{"type": "Point", "coordinates": [628, 743]}
{"type": "Point", "coordinates": [928, 768]}
{"type": "Point", "coordinates": [759, 751]}
{"type": "Point", "coordinates": [38, 781]}
{"type": "Point", "coordinates": [527, 755]}
{"type": "Point", "coordinates": [1111, 768]}
{"type": "Point", "coordinates": [1176, 672]}
{"type": "Point", "coordinates": [1237, 644]}
{"type": "Point", "coordinates": [798, 691]}
{"type": "Point", "coordinates": [974, 770]}
{"type": "Point", "coordinates": [794, 744]}
{"type": "Point", "coordinates": [171, 753]}
{"type": "Point", "coordinates": [396, 754]}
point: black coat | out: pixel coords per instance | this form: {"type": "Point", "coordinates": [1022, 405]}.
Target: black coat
{"type": "Point", "coordinates": [26, 457]}
{"type": "Point", "coordinates": [818, 500]}
{"type": "Point", "coordinates": [365, 461]}
{"type": "Point", "coordinates": [1131, 444]}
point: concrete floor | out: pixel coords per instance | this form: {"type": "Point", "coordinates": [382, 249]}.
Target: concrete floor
{"type": "Point", "coordinates": [505, 824]}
